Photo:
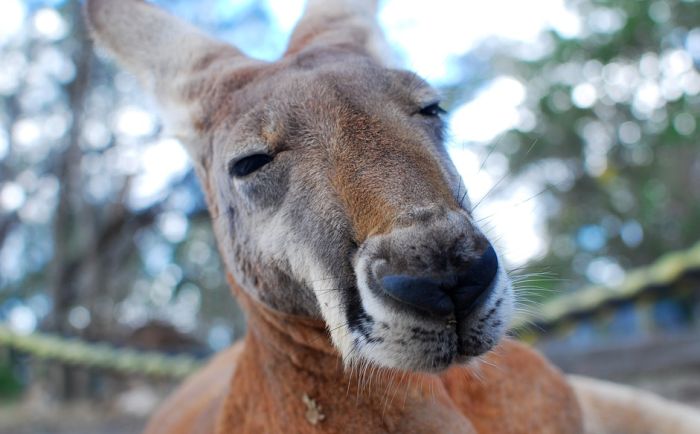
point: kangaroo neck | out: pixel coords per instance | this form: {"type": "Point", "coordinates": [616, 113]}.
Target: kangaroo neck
{"type": "Point", "coordinates": [289, 378]}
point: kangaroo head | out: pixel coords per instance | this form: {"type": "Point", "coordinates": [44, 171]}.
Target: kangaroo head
{"type": "Point", "coordinates": [331, 191]}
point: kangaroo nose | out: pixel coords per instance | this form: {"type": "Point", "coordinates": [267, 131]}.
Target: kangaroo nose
{"type": "Point", "coordinates": [443, 295]}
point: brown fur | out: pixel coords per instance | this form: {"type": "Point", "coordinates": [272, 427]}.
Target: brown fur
{"type": "Point", "coordinates": [259, 384]}
{"type": "Point", "coordinates": [373, 204]}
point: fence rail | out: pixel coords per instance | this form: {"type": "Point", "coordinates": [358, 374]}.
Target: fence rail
{"type": "Point", "coordinates": [98, 355]}
{"type": "Point", "coordinates": [640, 285]}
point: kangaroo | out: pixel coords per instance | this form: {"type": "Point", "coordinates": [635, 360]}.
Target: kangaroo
{"type": "Point", "coordinates": [375, 302]}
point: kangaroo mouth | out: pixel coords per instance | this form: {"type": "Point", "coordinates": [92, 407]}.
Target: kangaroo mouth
{"type": "Point", "coordinates": [388, 331]}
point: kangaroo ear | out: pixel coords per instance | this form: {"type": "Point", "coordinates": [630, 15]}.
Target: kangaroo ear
{"type": "Point", "coordinates": [351, 24]}
{"type": "Point", "coordinates": [168, 56]}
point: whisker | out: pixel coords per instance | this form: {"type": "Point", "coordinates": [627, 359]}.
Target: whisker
{"type": "Point", "coordinates": [493, 148]}
{"type": "Point", "coordinates": [505, 176]}
{"type": "Point", "coordinates": [344, 276]}
{"type": "Point", "coordinates": [479, 220]}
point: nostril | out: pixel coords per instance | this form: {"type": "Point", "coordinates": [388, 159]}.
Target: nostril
{"type": "Point", "coordinates": [423, 293]}
{"type": "Point", "coordinates": [475, 280]}
{"type": "Point", "coordinates": [482, 270]}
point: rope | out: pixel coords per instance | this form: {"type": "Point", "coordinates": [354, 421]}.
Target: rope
{"type": "Point", "coordinates": [643, 284]}
{"type": "Point", "coordinates": [98, 355]}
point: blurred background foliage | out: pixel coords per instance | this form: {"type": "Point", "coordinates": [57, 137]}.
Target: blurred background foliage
{"type": "Point", "coordinates": [586, 164]}
{"type": "Point", "coordinates": [613, 114]}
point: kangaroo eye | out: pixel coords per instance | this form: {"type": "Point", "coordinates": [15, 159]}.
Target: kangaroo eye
{"type": "Point", "coordinates": [432, 110]}
{"type": "Point", "coordinates": [247, 165]}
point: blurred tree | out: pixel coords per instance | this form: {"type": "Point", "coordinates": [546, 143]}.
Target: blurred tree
{"type": "Point", "coordinates": [10, 385]}
{"type": "Point", "coordinates": [102, 224]}
{"type": "Point", "coordinates": [608, 133]}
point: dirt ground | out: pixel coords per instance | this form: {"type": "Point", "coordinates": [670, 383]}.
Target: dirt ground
{"type": "Point", "coordinates": [75, 419]}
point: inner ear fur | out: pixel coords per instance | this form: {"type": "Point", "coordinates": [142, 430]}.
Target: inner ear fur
{"type": "Point", "coordinates": [150, 42]}
{"type": "Point", "coordinates": [168, 56]}
{"type": "Point", "coordinates": [347, 24]}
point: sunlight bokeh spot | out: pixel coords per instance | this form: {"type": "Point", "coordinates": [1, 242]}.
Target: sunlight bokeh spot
{"type": "Point", "coordinates": [684, 123]}
{"type": "Point", "coordinates": [161, 162]}
{"type": "Point", "coordinates": [79, 317]}
{"type": "Point", "coordinates": [22, 320]}
{"type": "Point", "coordinates": [12, 14]}
{"type": "Point", "coordinates": [134, 121]}
{"type": "Point", "coordinates": [49, 24]}
{"type": "Point", "coordinates": [12, 196]}
{"type": "Point", "coordinates": [584, 95]}
{"type": "Point", "coordinates": [605, 271]}
{"type": "Point", "coordinates": [26, 132]}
